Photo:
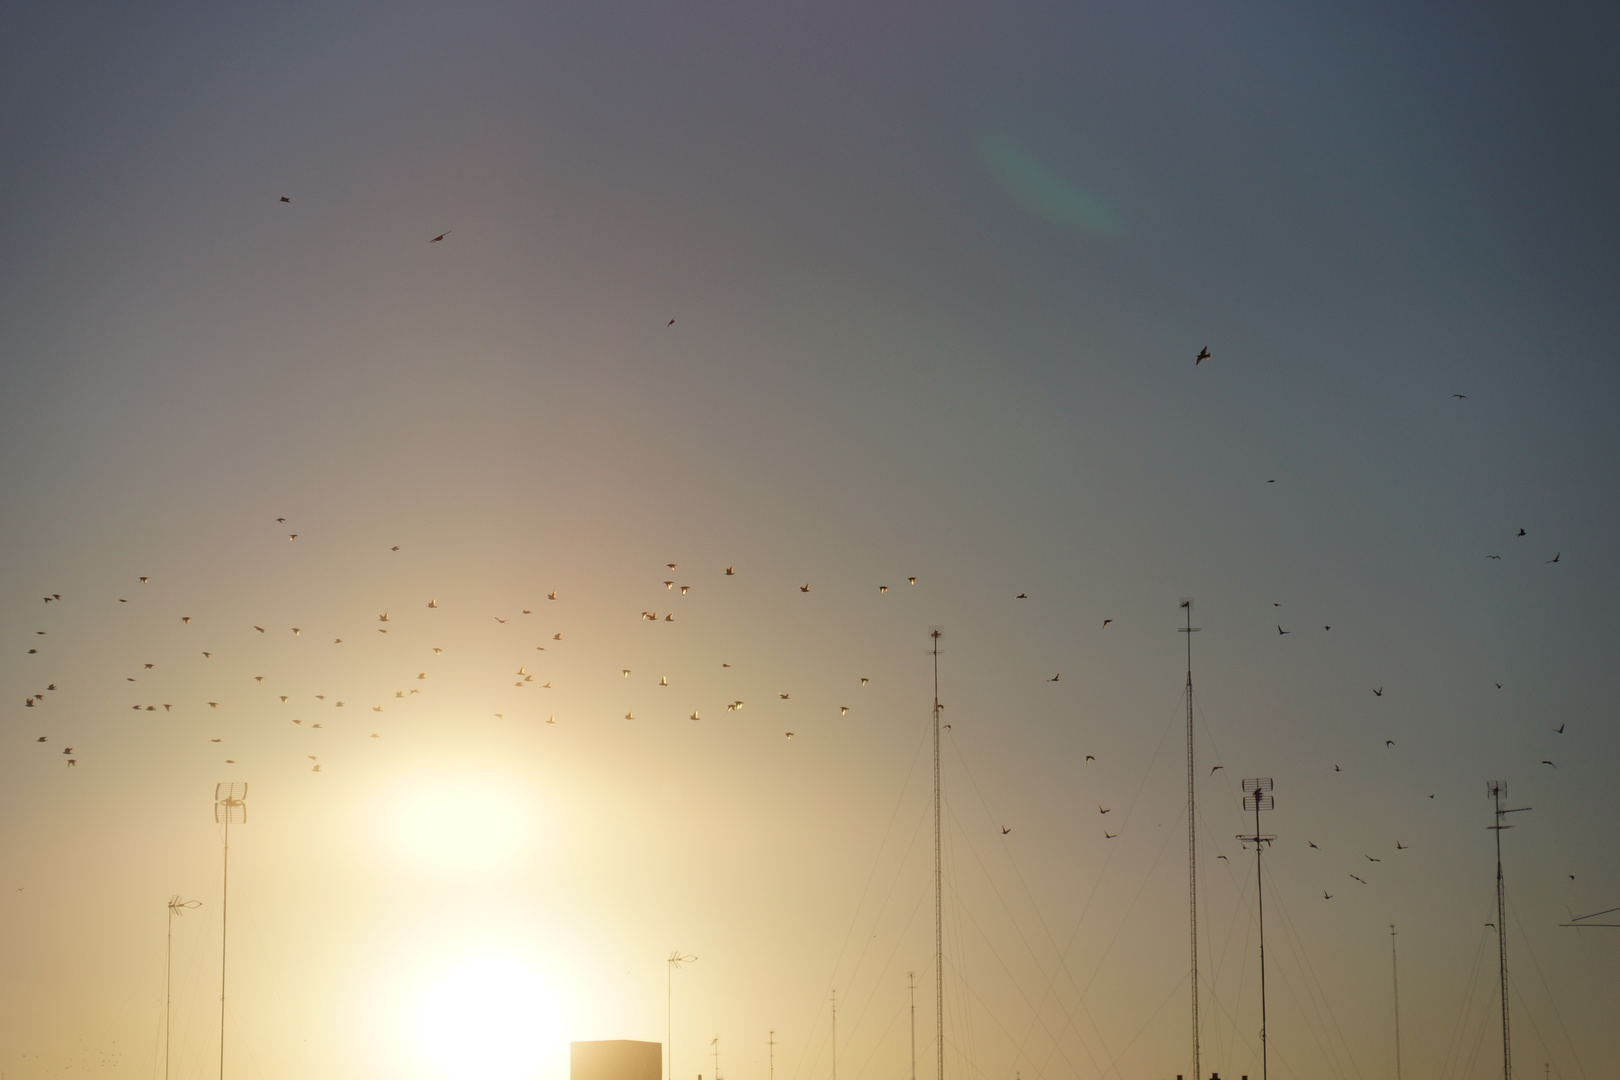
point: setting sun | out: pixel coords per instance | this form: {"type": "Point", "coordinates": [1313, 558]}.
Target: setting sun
{"type": "Point", "coordinates": [488, 1017]}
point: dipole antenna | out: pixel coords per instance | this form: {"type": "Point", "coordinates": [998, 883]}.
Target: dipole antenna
{"type": "Point", "coordinates": [1494, 790]}
{"type": "Point", "coordinates": [177, 908]}
{"type": "Point", "coordinates": [939, 909]}
{"type": "Point", "coordinates": [911, 985]}
{"type": "Point", "coordinates": [230, 808]}
{"type": "Point", "coordinates": [1395, 972]}
{"type": "Point", "coordinates": [1192, 837]}
{"type": "Point", "coordinates": [1257, 797]}
{"type": "Point", "coordinates": [674, 960]}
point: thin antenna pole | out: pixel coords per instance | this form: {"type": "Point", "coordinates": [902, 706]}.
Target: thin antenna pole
{"type": "Point", "coordinates": [224, 916]}
{"type": "Point", "coordinates": [1395, 971]}
{"type": "Point", "coordinates": [1495, 789]}
{"type": "Point", "coordinates": [834, 1037]}
{"type": "Point", "coordinates": [1260, 893]}
{"type": "Point", "coordinates": [939, 909]}
{"type": "Point", "coordinates": [669, 1020]}
{"type": "Point", "coordinates": [168, 987]}
{"type": "Point", "coordinates": [715, 1042]}
{"type": "Point", "coordinates": [911, 985]}
{"type": "Point", "coordinates": [1192, 841]}
{"type": "Point", "coordinates": [773, 1054]}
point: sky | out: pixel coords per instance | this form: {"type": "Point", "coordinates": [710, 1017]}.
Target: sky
{"type": "Point", "coordinates": [806, 329]}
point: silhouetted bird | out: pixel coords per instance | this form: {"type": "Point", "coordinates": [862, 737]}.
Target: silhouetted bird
{"type": "Point", "coordinates": [1493, 556]}
{"type": "Point", "coordinates": [671, 323]}
{"type": "Point", "coordinates": [1389, 742]}
{"type": "Point", "coordinates": [1545, 762]}
{"type": "Point", "coordinates": [1102, 810]}
{"type": "Point", "coordinates": [1005, 830]}
{"type": "Point", "coordinates": [1555, 558]}
{"type": "Point", "coordinates": [1106, 622]}
{"type": "Point", "coordinates": [729, 571]}
{"type": "Point", "coordinates": [441, 236]}
{"type": "Point", "coordinates": [1359, 879]}
{"type": "Point", "coordinates": [1109, 835]}
{"type": "Point", "coordinates": [1280, 630]}
{"type": "Point", "coordinates": [1313, 844]}
{"type": "Point", "coordinates": [1056, 677]}
{"type": "Point", "coordinates": [1463, 397]}
{"type": "Point", "coordinates": [1212, 771]}
{"type": "Point", "coordinates": [1560, 729]}
{"type": "Point", "coordinates": [1369, 858]}
{"type": "Point", "coordinates": [1379, 692]}
{"type": "Point", "coordinates": [285, 199]}
{"type": "Point", "coordinates": [1521, 533]}
{"type": "Point", "coordinates": [1021, 596]}
{"type": "Point", "coordinates": [1399, 846]}
{"type": "Point", "coordinates": [1203, 354]}
{"type": "Point", "coordinates": [1326, 895]}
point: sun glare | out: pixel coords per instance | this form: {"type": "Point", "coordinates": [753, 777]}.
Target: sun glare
{"type": "Point", "coordinates": [490, 1018]}
{"type": "Point", "coordinates": [474, 823]}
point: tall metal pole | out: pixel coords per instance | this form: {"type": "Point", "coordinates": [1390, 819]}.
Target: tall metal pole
{"type": "Point", "coordinates": [673, 961]}
{"type": "Point", "coordinates": [911, 985]}
{"type": "Point", "coordinates": [834, 1038]}
{"type": "Point", "coordinates": [224, 916]}
{"type": "Point", "coordinates": [1395, 972]}
{"type": "Point", "coordinates": [1260, 894]}
{"type": "Point", "coordinates": [1494, 790]}
{"type": "Point", "coordinates": [1257, 797]}
{"type": "Point", "coordinates": [177, 907]}
{"type": "Point", "coordinates": [772, 1074]}
{"type": "Point", "coordinates": [939, 909]}
{"type": "Point", "coordinates": [1192, 841]}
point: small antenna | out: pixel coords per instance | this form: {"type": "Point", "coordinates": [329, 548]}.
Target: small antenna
{"type": "Point", "coordinates": [1395, 971]}
{"type": "Point", "coordinates": [939, 896]}
{"type": "Point", "coordinates": [673, 961]}
{"type": "Point", "coordinates": [230, 808]}
{"type": "Point", "coordinates": [1257, 797]}
{"type": "Point", "coordinates": [911, 985]}
{"type": "Point", "coordinates": [177, 908]}
{"type": "Point", "coordinates": [773, 1054]}
{"type": "Point", "coordinates": [834, 1036]}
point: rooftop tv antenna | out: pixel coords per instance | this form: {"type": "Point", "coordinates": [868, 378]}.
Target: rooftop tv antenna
{"type": "Point", "coordinates": [230, 808]}
{"type": "Point", "coordinates": [673, 961]}
{"type": "Point", "coordinates": [177, 908]}
{"type": "Point", "coordinates": [939, 910]}
{"type": "Point", "coordinates": [1494, 790]}
{"type": "Point", "coordinates": [1192, 836]}
{"type": "Point", "coordinates": [1257, 797]}
{"type": "Point", "coordinates": [1395, 971]}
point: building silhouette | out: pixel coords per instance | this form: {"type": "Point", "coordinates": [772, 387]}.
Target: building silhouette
{"type": "Point", "coordinates": [615, 1059]}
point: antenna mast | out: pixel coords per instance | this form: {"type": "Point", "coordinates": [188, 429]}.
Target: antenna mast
{"type": "Point", "coordinates": [911, 985]}
{"type": "Point", "coordinates": [230, 806]}
{"type": "Point", "coordinates": [1192, 838]}
{"type": "Point", "coordinates": [1257, 797]}
{"type": "Point", "coordinates": [939, 911]}
{"type": "Point", "coordinates": [1395, 970]}
{"type": "Point", "coordinates": [773, 1054]}
{"type": "Point", "coordinates": [834, 1036]}
{"type": "Point", "coordinates": [1494, 790]}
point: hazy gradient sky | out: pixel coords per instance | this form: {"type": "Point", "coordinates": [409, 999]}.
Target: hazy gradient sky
{"type": "Point", "coordinates": [938, 274]}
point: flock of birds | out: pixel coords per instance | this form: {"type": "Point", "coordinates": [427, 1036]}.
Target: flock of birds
{"type": "Point", "coordinates": [523, 678]}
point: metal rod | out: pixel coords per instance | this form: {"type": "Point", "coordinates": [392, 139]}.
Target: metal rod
{"type": "Point", "coordinates": [834, 1039]}
{"type": "Point", "coordinates": [1192, 844]}
{"type": "Point", "coordinates": [1395, 971]}
{"type": "Point", "coordinates": [224, 916]}
{"type": "Point", "coordinates": [939, 916]}
{"type": "Point", "coordinates": [168, 987]}
{"type": "Point", "coordinates": [1501, 938]}
{"type": "Point", "coordinates": [911, 985]}
{"type": "Point", "coordinates": [1260, 892]}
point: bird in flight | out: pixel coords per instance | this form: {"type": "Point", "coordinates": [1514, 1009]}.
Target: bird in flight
{"type": "Point", "coordinates": [670, 565]}
{"type": "Point", "coordinates": [1499, 686]}
{"type": "Point", "coordinates": [285, 199]}
{"type": "Point", "coordinates": [1280, 630]}
{"type": "Point", "coordinates": [441, 236]}
{"type": "Point", "coordinates": [671, 323]}
{"type": "Point", "coordinates": [729, 571]}
{"type": "Point", "coordinates": [669, 585]}
{"type": "Point", "coordinates": [883, 588]}
{"type": "Point", "coordinates": [804, 588]}
{"type": "Point", "coordinates": [911, 581]}
{"type": "Point", "coordinates": [1089, 757]}
{"type": "Point", "coordinates": [864, 680]}
{"type": "Point", "coordinates": [789, 734]}
{"type": "Point", "coordinates": [1362, 880]}
{"type": "Point", "coordinates": [1109, 835]}
{"type": "Point", "coordinates": [1378, 692]}
{"type": "Point", "coordinates": [843, 710]}
{"type": "Point", "coordinates": [1399, 846]}
{"type": "Point", "coordinates": [1326, 895]}
{"type": "Point", "coordinates": [1560, 729]}
{"type": "Point", "coordinates": [1102, 810]}
{"type": "Point", "coordinates": [1212, 771]}
{"type": "Point", "coordinates": [1545, 762]}
{"type": "Point", "coordinates": [1021, 596]}
{"type": "Point", "coordinates": [1106, 622]}
{"type": "Point", "coordinates": [1005, 830]}
{"type": "Point", "coordinates": [1555, 558]}
{"type": "Point", "coordinates": [1313, 844]}
{"type": "Point", "coordinates": [1388, 743]}
{"type": "Point", "coordinates": [1369, 858]}
{"type": "Point", "coordinates": [1463, 397]}
{"type": "Point", "coordinates": [694, 715]}
{"type": "Point", "coordinates": [552, 595]}
{"type": "Point", "coordinates": [1493, 556]}
{"type": "Point", "coordinates": [1521, 533]}
{"type": "Point", "coordinates": [1056, 677]}
{"type": "Point", "coordinates": [784, 697]}
{"type": "Point", "coordinates": [1203, 354]}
